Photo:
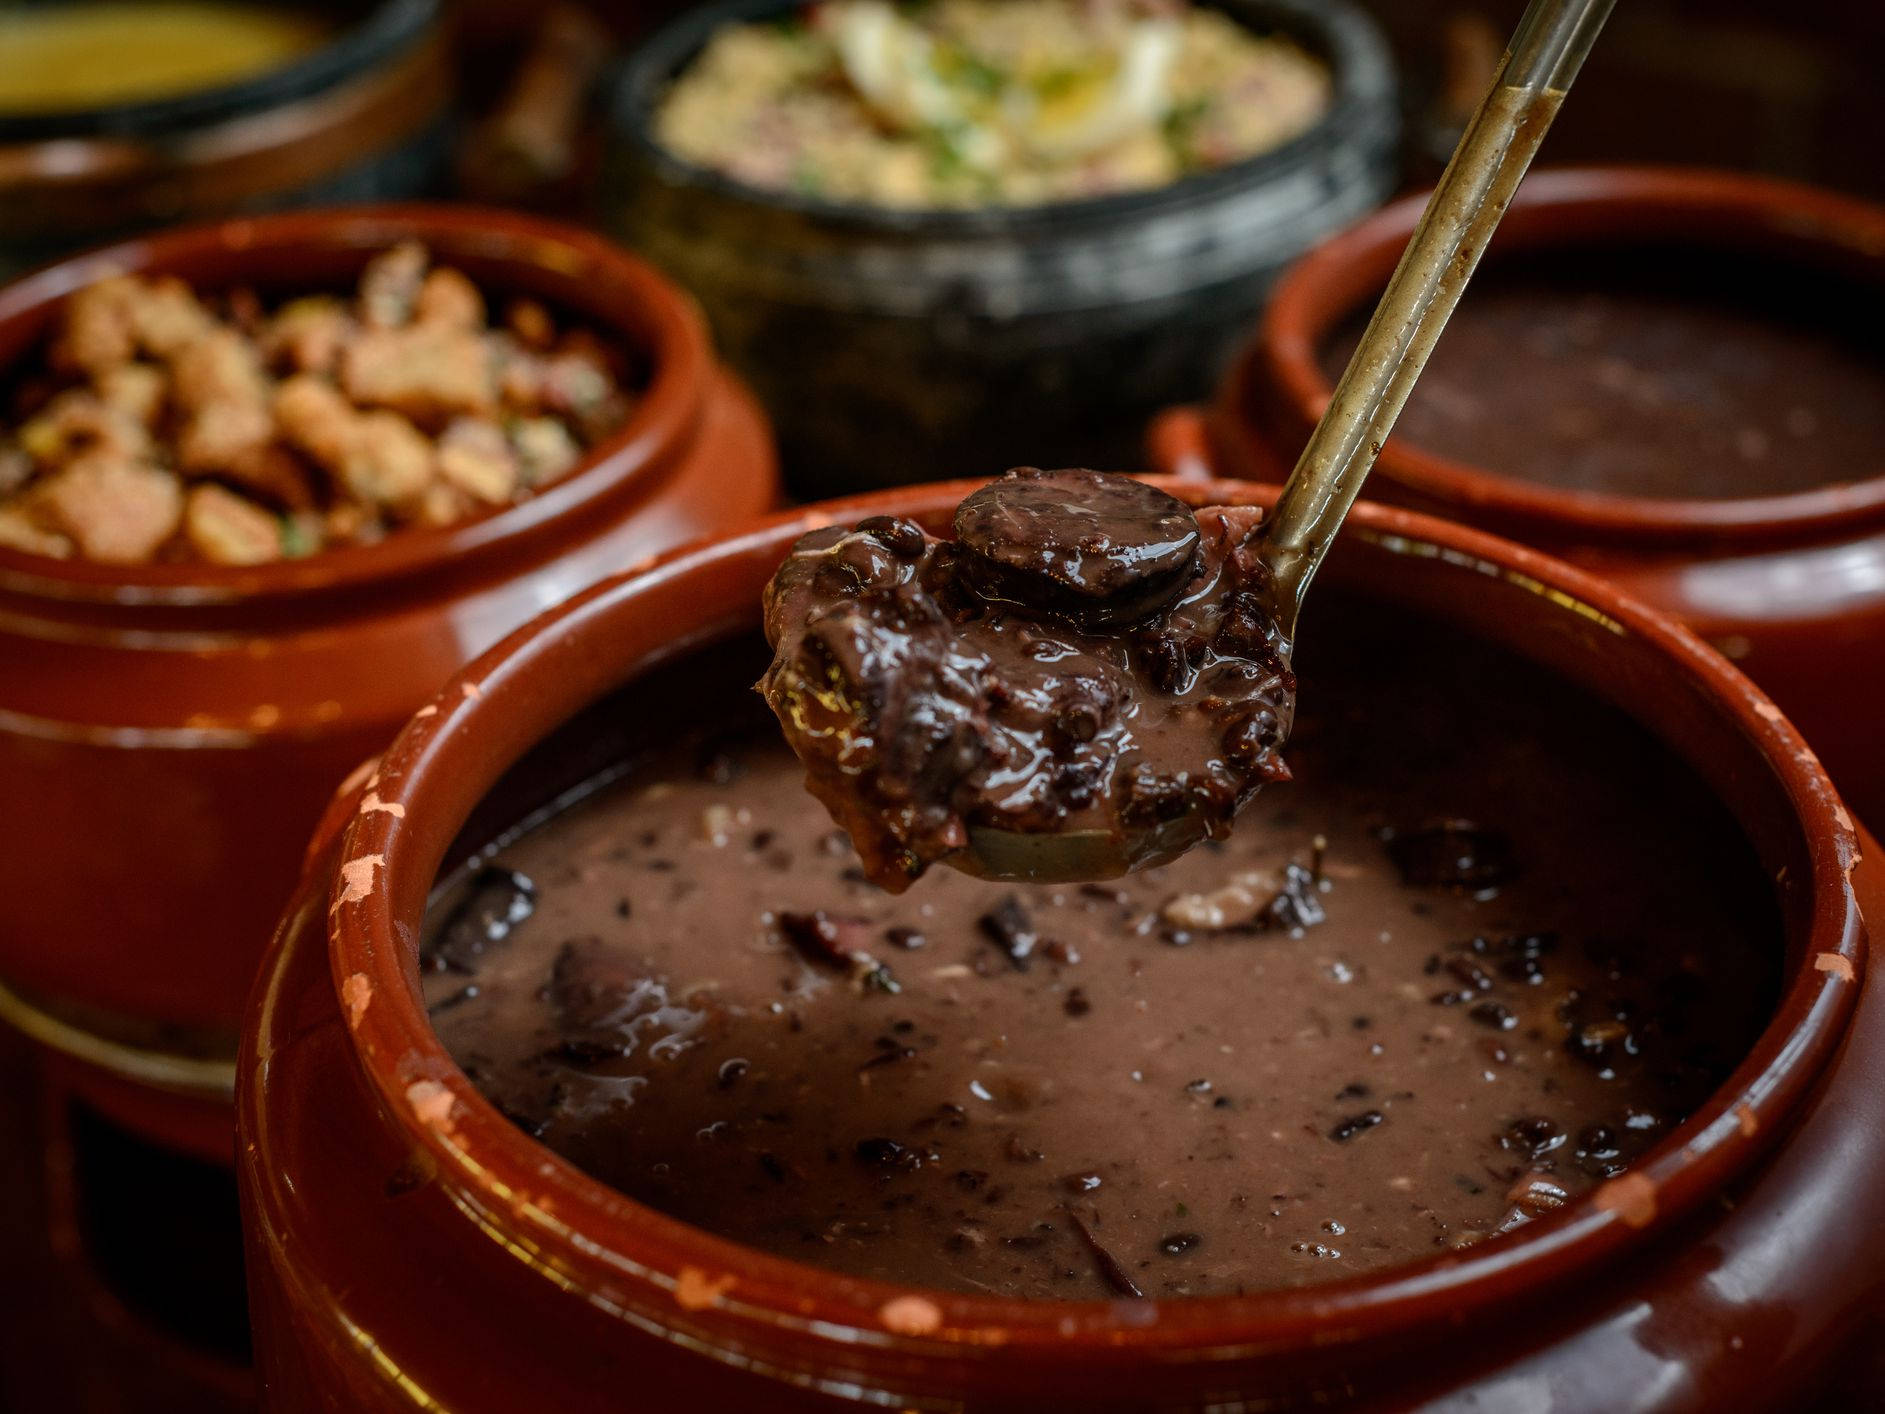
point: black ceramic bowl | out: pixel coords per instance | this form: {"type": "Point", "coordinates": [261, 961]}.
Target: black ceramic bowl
{"type": "Point", "coordinates": [364, 116]}
{"type": "Point", "coordinates": [893, 346]}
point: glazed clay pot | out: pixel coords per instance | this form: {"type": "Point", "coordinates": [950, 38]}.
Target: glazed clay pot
{"type": "Point", "coordinates": [365, 117]}
{"type": "Point", "coordinates": [409, 1248]}
{"type": "Point", "coordinates": [957, 343]}
{"type": "Point", "coordinates": [1792, 587]}
{"type": "Point", "coordinates": [169, 734]}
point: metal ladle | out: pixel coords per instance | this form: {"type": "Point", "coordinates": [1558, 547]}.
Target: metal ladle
{"type": "Point", "coordinates": [1548, 48]}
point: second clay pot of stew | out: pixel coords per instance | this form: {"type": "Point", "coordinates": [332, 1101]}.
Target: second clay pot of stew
{"type": "Point", "coordinates": [171, 728]}
{"type": "Point", "coordinates": [1518, 1049]}
{"type": "Point", "coordinates": [1671, 377]}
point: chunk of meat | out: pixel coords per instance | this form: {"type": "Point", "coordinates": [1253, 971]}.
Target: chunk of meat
{"type": "Point", "coordinates": [314, 417]}
{"type": "Point", "coordinates": [137, 391]}
{"type": "Point", "coordinates": [219, 368]}
{"type": "Point", "coordinates": [545, 447]}
{"type": "Point", "coordinates": [223, 437]}
{"type": "Point", "coordinates": [476, 457]}
{"type": "Point", "coordinates": [429, 373]}
{"type": "Point", "coordinates": [379, 457]}
{"type": "Point", "coordinates": [19, 531]}
{"type": "Point", "coordinates": [449, 299]}
{"type": "Point", "coordinates": [113, 508]}
{"type": "Point", "coordinates": [388, 462]}
{"type": "Point", "coordinates": [166, 316]}
{"type": "Point", "coordinates": [307, 335]}
{"type": "Point", "coordinates": [227, 529]}
{"type": "Point", "coordinates": [96, 333]}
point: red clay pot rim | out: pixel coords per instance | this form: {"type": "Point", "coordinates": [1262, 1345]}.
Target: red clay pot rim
{"type": "Point", "coordinates": [673, 336]}
{"type": "Point", "coordinates": [582, 1232]}
{"type": "Point", "coordinates": [1613, 204]}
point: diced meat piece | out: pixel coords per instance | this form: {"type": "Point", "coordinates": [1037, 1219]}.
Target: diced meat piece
{"type": "Point", "coordinates": [379, 457]}
{"type": "Point", "coordinates": [227, 529]}
{"type": "Point", "coordinates": [442, 505]}
{"type": "Point", "coordinates": [79, 421]}
{"type": "Point", "coordinates": [96, 333]}
{"type": "Point", "coordinates": [112, 507]}
{"type": "Point", "coordinates": [388, 462]}
{"type": "Point", "coordinates": [278, 476]}
{"type": "Point", "coordinates": [545, 447]}
{"type": "Point", "coordinates": [223, 436]}
{"type": "Point", "coordinates": [577, 386]}
{"type": "Point", "coordinates": [307, 335]}
{"type": "Point", "coordinates": [429, 373]}
{"type": "Point", "coordinates": [520, 374]}
{"type": "Point", "coordinates": [449, 299]}
{"type": "Point", "coordinates": [19, 531]}
{"type": "Point", "coordinates": [220, 367]}
{"type": "Point", "coordinates": [314, 417]}
{"type": "Point", "coordinates": [389, 286]}
{"type": "Point", "coordinates": [167, 316]}
{"type": "Point", "coordinates": [134, 390]}
{"type": "Point", "coordinates": [475, 457]}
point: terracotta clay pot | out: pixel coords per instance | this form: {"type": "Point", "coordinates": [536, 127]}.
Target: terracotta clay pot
{"type": "Point", "coordinates": [1792, 587]}
{"type": "Point", "coordinates": [169, 734]}
{"type": "Point", "coordinates": [410, 1248]}
{"type": "Point", "coordinates": [367, 116]}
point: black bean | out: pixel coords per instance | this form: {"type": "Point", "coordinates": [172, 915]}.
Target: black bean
{"type": "Point", "coordinates": [1009, 926]}
{"type": "Point", "coordinates": [882, 1153]}
{"type": "Point", "coordinates": [495, 903]}
{"type": "Point", "coordinates": [1176, 1244]}
{"type": "Point", "coordinates": [902, 538]}
{"type": "Point", "coordinates": [1355, 1124]}
{"type": "Point", "coordinates": [1493, 1014]}
{"type": "Point", "coordinates": [1534, 1136]}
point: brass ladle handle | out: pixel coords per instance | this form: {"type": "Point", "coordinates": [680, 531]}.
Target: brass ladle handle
{"type": "Point", "coordinates": [1547, 49]}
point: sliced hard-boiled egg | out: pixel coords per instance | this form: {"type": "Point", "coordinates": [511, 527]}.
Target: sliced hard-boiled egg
{"type": "Point", "coordinates": [906, 78]}
{"type": "Point", "coordinates": [892, 65]}
{"type": "Point", "coordinates": [1113, 103]}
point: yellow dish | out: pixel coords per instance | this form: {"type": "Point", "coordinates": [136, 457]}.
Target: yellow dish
{"type": "Point", "coordinates": [61, 58]}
